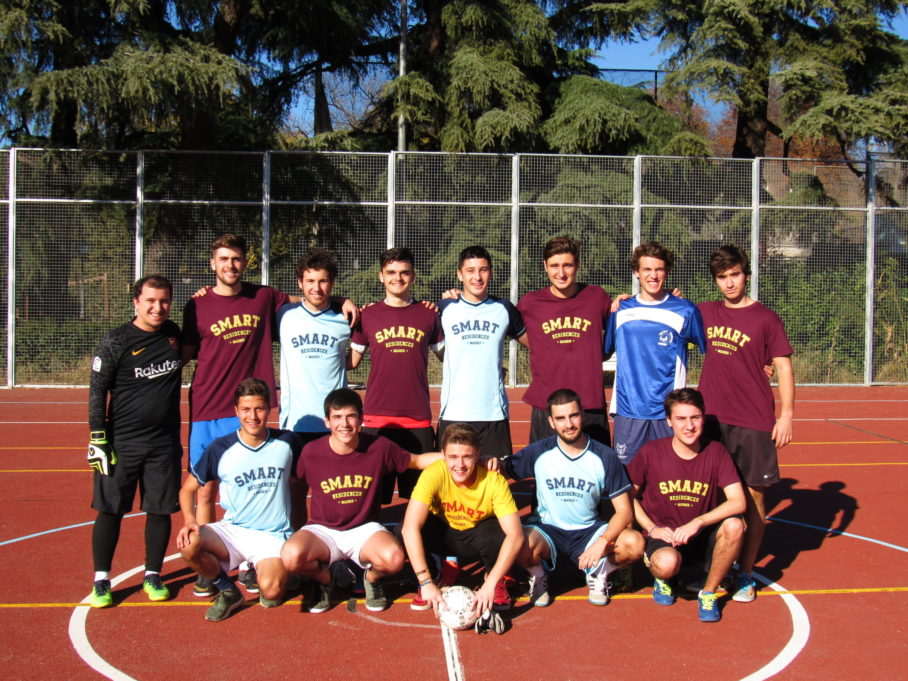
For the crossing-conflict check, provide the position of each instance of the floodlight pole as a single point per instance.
(401, 72)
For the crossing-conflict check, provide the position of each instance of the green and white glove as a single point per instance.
(101, 456)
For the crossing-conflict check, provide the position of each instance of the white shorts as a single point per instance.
(244, 544)
(345, 544)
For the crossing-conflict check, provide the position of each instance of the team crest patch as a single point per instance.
(96, 364)
(173, 343)
(620, 447)
(665, 337)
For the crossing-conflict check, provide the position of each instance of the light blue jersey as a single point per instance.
(472, 387)
(254, 482)
(651, 341)
(569, 489)
(313, 363)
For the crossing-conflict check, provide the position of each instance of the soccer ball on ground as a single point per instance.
(457, 610)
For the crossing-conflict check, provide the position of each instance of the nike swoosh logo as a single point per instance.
(136, 352)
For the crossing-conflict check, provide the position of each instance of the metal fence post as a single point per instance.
(266, 217)
(870, 293)
(140, 216)
(637, 214)
(755, 174)
(11, 273)
(392, 178)
(515, 261)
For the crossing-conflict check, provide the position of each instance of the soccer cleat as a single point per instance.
(249, 580)
(489, 621)
(154, 587)
(203, 588)
(539, 591)
(502, 599)
(450, 572)
(746, 588)
(323, 596)
(268, 602)
(708, 607)
(225, 603)
(598, 589)
(418, 602)
(101, 597)
(376, 600)
(662, 592)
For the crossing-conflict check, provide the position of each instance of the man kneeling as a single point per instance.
(459, 508)
(677, 480)
(253, 466)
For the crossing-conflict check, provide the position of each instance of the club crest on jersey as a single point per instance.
(666, 337)
(173, 343)
(96, 364)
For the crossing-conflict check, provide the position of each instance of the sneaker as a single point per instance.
(249, 580)
(323, 596)
(268, 602)
(418, 602)
(154, 587)
(450, 572)
(662, 592)
(101, 597)
(224, 604)
(539, 591)
(708, 607)
(203, 588)
(598, 589)
(376, 600)
(746, 588)
(502, 599)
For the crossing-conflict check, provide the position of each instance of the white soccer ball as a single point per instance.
(457, 610)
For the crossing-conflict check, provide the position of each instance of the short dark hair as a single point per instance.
(151, 281)
(473, 252)
(229, 241)
(559, 245)
(317, 259)
(343, 397)
(397, 255)
(460, 434)
(652, 249)
(252, 387)
(683, 396)
(563, 396)
(728, 256)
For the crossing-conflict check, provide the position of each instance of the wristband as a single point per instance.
(425, 582)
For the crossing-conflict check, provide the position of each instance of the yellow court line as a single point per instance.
(401, 601)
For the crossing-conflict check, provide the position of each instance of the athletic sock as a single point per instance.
(152, 572)
(223, 582)
(101, 575)
(608, 567)
(536, 570)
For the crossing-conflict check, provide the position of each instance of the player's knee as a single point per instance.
(390, 560)
(292, 556)
(630, 546)
(271, 586)
(732, 530)
(665, 563)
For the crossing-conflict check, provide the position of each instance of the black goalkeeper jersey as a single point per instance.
(141, 372)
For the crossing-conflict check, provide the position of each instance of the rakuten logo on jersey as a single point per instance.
(156, 370)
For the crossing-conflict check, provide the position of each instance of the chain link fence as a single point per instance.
(829, 241)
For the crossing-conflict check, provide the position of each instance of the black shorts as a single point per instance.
(415, 441)
(595, 424)
(697, 550)
(569, 543)
(156, 470)
(753, 451)
(494, 436)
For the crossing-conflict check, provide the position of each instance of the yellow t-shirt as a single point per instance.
(464, 507)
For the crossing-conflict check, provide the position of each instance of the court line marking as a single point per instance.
(865, 432)
(844, 534)
(800, 625)
(452, 654)
(59, 529)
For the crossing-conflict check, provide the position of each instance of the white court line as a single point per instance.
(452, 654)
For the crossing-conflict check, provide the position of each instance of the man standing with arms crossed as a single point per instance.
(564, 323)
(741, 336)
(135, 434)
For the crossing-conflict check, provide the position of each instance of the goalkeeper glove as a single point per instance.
(101, 456)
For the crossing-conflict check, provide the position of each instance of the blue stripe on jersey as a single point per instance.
(254, 482)
(569, 489)
(651, 341)
(313, 363)
(472, 387)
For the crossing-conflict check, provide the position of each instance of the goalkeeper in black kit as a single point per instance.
(134, 417)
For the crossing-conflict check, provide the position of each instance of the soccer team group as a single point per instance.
(685, 471)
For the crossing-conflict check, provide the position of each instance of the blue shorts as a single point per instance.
(570, 543)
(631, 434)
(201, 433)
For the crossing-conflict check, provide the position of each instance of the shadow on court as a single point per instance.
(804, 520)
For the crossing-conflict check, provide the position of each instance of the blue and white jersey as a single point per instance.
(255, 481)
(569, 489)
(472, 387)
(313, 363)
(651, 341)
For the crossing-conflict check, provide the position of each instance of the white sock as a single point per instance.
(151, 572)
(536, 570)
(101, 574)
(608, 567)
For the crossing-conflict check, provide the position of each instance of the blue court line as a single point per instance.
(844, 534)
(58, 529)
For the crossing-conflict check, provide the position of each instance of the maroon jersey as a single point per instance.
(398, 339)
(740, 341)
(346, 488)
(233, 335)
(674, 491)
(565, 337)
